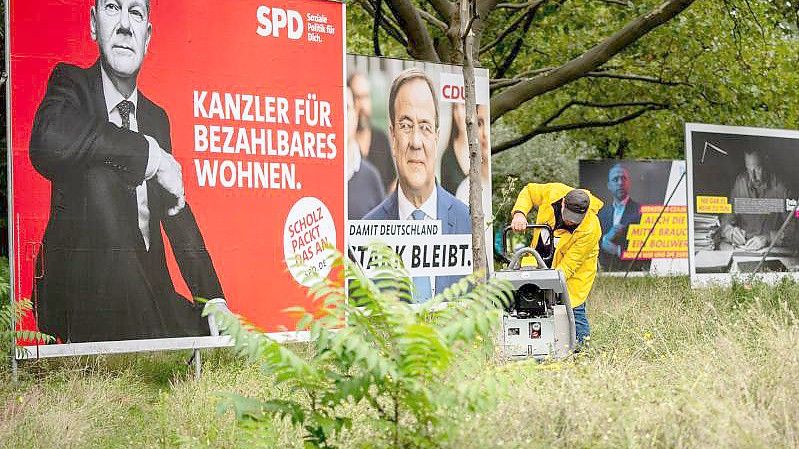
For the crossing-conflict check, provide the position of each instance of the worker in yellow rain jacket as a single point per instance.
(572, 214)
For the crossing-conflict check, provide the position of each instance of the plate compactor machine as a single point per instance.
(539, 322)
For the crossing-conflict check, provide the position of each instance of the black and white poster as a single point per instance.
(742, 188)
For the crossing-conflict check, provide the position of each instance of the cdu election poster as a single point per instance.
(644, 219)
(408, 164)
(164, 151)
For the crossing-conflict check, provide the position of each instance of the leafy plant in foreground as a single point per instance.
(397, 365)
(12, 312)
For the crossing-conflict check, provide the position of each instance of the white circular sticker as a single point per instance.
(308, 238)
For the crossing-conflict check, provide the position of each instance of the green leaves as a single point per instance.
(12, 312)
(374, 350)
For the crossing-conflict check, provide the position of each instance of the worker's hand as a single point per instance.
(736, 236)
(519, 222)
(756, 243)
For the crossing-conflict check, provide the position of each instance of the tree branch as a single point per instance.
(522, 92)
(390, 28)
(517, 46)
(484, 8)
(444, 8)
(516, 5)
(499, 83)
(513, 26)
(431, 19)
(420, 43)
(376, 27)
(545, 128)
(468, 28)
(633, 77)
(618, 2)
(516, 49)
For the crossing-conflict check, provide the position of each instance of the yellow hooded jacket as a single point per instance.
(576, 254)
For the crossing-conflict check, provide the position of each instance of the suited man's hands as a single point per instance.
(617, 232)
(170, 177)
(607, 245)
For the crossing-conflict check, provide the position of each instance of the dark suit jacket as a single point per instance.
(380, 156)
(95, 279)
(454, 216)
(631, 215)
(364, 191)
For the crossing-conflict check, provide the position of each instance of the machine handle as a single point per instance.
(530, 226)
(515, 262)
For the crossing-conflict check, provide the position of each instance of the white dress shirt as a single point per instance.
(618, 209)
(430, 209)
(354, 159)
(406, 208)
(112, 99)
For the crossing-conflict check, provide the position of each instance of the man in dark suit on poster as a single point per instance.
(615, 217)
(106, 149)
(413, 129)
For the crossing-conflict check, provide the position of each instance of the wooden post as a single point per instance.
(467, 18)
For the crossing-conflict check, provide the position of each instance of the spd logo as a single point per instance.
(271, 21)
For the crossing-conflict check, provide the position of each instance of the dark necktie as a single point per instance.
(125, 107)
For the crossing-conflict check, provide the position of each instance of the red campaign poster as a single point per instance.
(222, 165)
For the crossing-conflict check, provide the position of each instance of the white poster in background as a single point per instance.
(676, 188)
(742, 187)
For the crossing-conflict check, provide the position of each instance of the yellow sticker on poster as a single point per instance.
(713, 205)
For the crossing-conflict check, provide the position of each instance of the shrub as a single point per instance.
(396, 364)
(12, 312)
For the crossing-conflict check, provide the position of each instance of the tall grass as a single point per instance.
(668, 368)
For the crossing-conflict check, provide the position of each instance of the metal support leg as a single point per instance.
(197, 364)
(14, 374)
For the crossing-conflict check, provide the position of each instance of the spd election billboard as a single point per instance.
(163, 151)
(408, 164)
(742, 189)
(634, 194)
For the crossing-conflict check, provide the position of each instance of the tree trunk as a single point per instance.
(467, 18)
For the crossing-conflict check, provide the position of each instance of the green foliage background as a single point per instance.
(733, 62)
